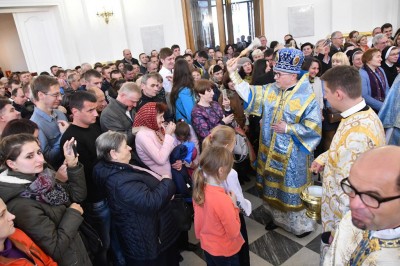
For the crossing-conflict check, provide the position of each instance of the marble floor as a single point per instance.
(276, 247)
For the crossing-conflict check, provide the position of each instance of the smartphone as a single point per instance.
(224, 95)
(73, 146)
(328, 42)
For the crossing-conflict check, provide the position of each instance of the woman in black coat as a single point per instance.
(139, 204)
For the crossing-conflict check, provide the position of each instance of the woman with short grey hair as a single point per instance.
(139, 201)
(106, 142)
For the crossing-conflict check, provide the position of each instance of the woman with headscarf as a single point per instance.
(154, 141)
(390, 56)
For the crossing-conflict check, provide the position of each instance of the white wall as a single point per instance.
(331, 15)
(94, 40)
(11, 55)
(86, 37)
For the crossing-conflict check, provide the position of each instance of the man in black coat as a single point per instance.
(128, 59)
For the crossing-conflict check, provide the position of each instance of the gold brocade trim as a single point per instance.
(236, 78)
(363, 130)
(313, 126)
(304, 106)
(309, 149)
(391, 243)
(383, 243)
(281, 102)
(277, 204)
(287, 189)
(275, 172)
(257, 99)
(295, 105)
(279, 157)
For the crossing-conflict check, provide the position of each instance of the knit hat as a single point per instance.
(289, 60)
(242, 61)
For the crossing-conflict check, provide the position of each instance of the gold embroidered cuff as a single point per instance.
(235, 77)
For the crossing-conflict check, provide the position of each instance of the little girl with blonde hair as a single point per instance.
(216, 214)
(225, 136)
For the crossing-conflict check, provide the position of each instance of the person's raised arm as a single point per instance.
(242, 87)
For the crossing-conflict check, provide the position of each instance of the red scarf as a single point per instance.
(147, 116)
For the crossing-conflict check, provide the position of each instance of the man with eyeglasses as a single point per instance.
(359, 130)
(328, 49)
(52, 123)
(291, 130)
(369, 234)
(380, 41)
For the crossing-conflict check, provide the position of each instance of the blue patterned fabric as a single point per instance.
(289, 60)
(284, 159)
(390, 112)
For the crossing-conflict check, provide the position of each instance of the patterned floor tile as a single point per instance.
(255, 230)
(191, 259)
(254, 190)
(303, 257)
(315, 244)
(199, 252)
(257, 261)
(255, 201)
(249, 184)
(260, 215)
(275, 248)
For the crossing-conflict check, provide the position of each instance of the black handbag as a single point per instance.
(182, 213)
(91, 239)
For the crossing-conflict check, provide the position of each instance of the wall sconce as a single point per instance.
(106, 15)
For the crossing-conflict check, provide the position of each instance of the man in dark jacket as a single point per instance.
(84, 129)
(119, 114)
(128, 59)
(152, 91)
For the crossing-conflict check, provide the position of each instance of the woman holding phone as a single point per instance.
(46, 210)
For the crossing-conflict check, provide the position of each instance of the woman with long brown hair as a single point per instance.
(182, 94)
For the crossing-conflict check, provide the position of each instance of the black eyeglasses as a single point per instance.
(277, 74)
(55, 95)
(369, 200)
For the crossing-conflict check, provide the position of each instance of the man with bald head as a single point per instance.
(128, 59)
(101, 99)
(369, 234)
(359, 130)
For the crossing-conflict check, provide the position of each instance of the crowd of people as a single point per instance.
(92, 158)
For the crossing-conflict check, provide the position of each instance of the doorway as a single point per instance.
(215, 23)
(11, 54)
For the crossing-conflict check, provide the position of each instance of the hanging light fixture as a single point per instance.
(106, 15)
